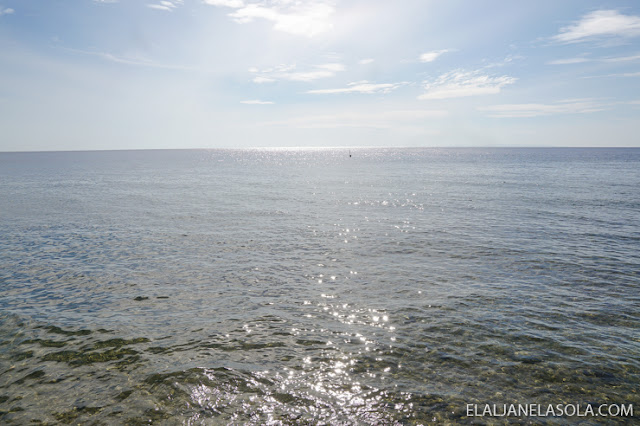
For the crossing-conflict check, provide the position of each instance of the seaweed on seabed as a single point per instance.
(123, 395)
(21, 356)
(69, 416)
(79, 358)
(130, 360)
(150, 416)
(57, 330)
(115, 351)
(34, 375)
(45, 343)
(118, 343)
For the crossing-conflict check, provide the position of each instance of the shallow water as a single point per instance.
(306, 287)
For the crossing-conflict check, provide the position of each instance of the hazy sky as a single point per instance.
(108, 74)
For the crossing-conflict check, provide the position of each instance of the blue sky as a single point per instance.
(107, 74)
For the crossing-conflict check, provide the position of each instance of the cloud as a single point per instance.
(623, 74)
(133, 61)
(293, 17)
(568, 61)
(623, 59)
(365, 61)
(374, 120)
(288, 72)
(361, 87)
(256, 102)
(260, 80)
(225, 3)
(309, 75)
(331, 67)
(7, 11)
(579, 60)
(160, 7)
(457, 84)
(504, 62)
(599, 24)
(432, 56)
(570, 106)
(166, 5)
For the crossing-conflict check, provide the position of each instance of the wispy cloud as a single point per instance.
(256, 102)
(6, 11)
(138, 62)
(599, 24)
(374, 120)
(504, 62)
(294, 17)
(616, 75)
(310, 75)
(569, 106)
(261, 80)
(290, 72)
(334, 67)
(458, 83)
(363, 87)
(582, 59)
(226, 3)
(623, 58)
(432, 56)
(165, 5)
(568, 61)
(365, 61)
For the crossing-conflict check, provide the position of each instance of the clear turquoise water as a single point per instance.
(307, 287)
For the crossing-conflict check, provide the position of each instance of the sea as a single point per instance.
(299, 286)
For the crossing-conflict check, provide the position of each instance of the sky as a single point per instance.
(143, 74)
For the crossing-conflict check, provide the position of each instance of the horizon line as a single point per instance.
(317, 148)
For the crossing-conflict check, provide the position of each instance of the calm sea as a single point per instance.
(302, 286)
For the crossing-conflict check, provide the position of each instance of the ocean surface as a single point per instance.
(304, 286)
